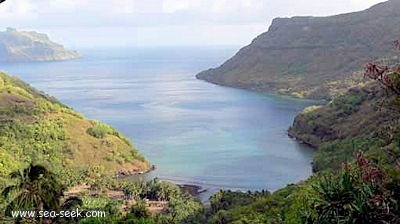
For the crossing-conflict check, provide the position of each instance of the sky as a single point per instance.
(93, 23)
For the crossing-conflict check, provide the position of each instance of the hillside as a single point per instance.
(37, 128)
(309, 57)
(23, 46)
(366, 119)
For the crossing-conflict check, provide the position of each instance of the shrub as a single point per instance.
(139, 210)
(358, 194)
(100, 130)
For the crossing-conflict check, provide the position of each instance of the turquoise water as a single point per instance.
(193, 131)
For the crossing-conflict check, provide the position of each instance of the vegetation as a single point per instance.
(357, 162)
(100, 130)
(36, 189)
(36, 127)
(173, 205)
(356, 179)
(359, 192)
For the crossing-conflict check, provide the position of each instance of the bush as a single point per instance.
(100, 130)
(358, 194)
(139, 210)
(331, 155)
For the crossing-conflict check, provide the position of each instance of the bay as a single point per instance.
(193, 132)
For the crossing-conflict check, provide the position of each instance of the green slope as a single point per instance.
(367, 119)
(35, 127)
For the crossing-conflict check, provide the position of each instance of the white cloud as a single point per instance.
(171, 6)
(145, 12)
(68, 4)
(122, 7)
(17, 8)
(235, 6)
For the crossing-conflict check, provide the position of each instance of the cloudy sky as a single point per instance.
(78, 23)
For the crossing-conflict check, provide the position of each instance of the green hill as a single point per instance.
(35, 127)
(309, 57)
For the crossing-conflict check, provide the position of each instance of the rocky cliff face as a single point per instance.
(306, 56)
(16, 46)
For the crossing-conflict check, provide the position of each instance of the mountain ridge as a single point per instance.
(308, 57)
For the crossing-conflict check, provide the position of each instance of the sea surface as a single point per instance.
(192, 131)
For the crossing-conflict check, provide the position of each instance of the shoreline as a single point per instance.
(266, 92)
(300, 140)
(126, 174)
(193, 190)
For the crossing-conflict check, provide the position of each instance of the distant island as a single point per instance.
(25, 46)
(312, 57)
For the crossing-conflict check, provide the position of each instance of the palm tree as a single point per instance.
(35, 188)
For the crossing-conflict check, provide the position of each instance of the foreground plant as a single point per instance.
(35, 189)
(358, 194)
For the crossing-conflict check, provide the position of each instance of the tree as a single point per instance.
(35, 188)
(132, 191)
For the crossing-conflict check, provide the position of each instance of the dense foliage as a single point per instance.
(180, 207)
(360, 192)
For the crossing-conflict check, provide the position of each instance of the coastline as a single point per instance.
(191, 189)
(266, 92)
(300, 140)
(125, 174)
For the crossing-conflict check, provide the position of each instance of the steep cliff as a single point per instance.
(310, 56)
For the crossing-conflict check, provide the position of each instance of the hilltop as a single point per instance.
(23, 46)
(312, 57)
